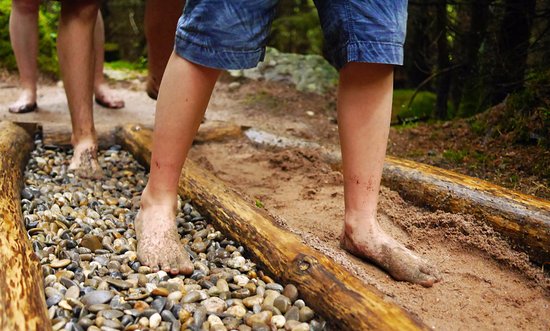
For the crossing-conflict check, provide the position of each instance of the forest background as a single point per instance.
(484, 65)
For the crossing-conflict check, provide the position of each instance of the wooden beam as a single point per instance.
(22, 304)
(523, 219)
(60, 135)
(328, 288)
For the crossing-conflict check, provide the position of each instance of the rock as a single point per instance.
(191, 297)
(96, 297)
(301, 327)
(306, 314)
(237, 311)
(214, 305)
(253, 300)
(162, 291)
(293, 314)
(290, 291)
(154, 320)
(60, 263)
(278, 321)
(118, 283)
(282, 303)
(91, 242)
(263, 317)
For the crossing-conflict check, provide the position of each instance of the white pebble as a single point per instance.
(154, 320)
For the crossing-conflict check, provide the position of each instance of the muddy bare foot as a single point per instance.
(401, 263)
(25, 104)
(107, 98)
(84, 162)
(159, 245)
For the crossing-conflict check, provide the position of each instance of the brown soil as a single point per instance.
(486, 285)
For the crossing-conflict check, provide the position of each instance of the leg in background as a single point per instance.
(161, 17)
(24, 41)
(103, 94)
(76, 60)
(364, 111)
(184, 94)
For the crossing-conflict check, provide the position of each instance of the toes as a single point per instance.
(424, 280)
(184, 264)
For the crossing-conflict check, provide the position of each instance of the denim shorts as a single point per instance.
(232, 34)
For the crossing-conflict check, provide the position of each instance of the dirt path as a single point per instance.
(487, 285)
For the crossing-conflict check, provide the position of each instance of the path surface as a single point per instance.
(486, 286)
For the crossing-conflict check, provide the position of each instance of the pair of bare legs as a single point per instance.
(79, 59)
(364, 109)
(24, 40)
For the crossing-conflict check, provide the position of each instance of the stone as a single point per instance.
(263, 317)
(306, 314)
(293, 314)
(282, 303)
(214, 305)
(253, 300)
(96, 297)
(154, 320)
(237, 311)
(278, 321)
(290, 291)
(91, 242)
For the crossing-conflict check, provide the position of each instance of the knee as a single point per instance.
(25, 7)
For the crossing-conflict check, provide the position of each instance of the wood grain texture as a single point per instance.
(524, 219)
(22, 304)
(327, 287)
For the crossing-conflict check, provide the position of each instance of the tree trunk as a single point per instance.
(22, 303)
(443, 62)
(512, 48)
(327, 287)
(466, 85)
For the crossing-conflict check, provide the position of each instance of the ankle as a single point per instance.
(160, 200)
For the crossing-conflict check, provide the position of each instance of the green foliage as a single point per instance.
(455, 156)
(140, 65)
(47, 34)
(422, 106)
(527, 113)
(298, 31)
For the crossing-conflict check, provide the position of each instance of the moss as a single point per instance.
(47, 34)
(421, 108)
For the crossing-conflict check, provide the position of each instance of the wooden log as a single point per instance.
(60, 135)
(328, 288)
(22, 305)
(524, 219)
(217, 131)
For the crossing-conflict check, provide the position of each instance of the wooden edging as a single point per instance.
(22, 304)
(327, 287)
(524, 219)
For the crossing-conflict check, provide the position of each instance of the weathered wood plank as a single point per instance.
(22, 304)
(325, 285)
(524, 219)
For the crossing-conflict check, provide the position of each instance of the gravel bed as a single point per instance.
(82, 231)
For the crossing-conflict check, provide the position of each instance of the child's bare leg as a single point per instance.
(24, 41)
(103, 94)
(75, 49)
(161, 17)
(184, 94)
(364, 111)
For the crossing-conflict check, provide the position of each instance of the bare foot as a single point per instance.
(159, 245)
(25, 104)
(401, 263)
(106, 97)
(84, 162)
